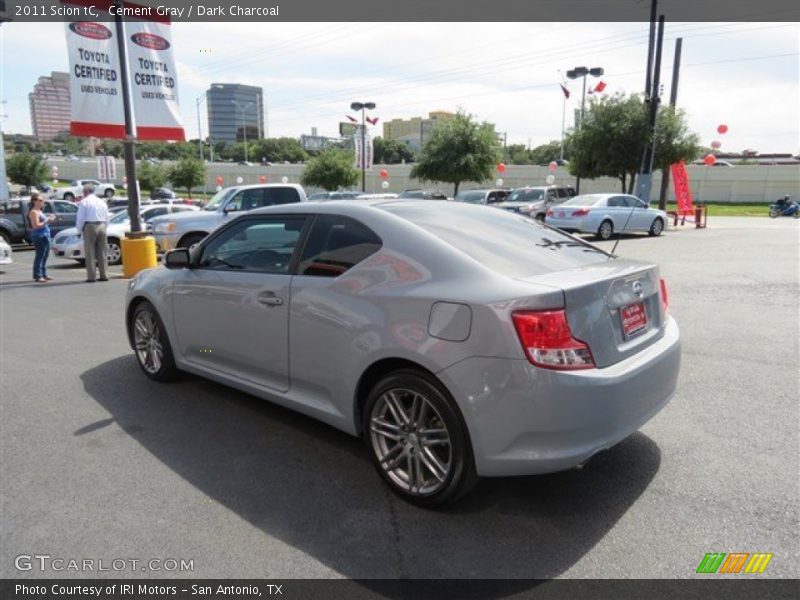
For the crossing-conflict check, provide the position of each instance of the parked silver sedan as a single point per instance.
(458, 341)
(607, 214)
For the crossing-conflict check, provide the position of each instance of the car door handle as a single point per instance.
(270, 299)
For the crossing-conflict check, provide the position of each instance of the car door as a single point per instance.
(231, 308)
(642, 218)
(616, 208)
(66, 213)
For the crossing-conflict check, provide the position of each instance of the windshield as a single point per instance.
(525, 195)
(471, 197)
(586, 200)
(120, 217)
(219, 199)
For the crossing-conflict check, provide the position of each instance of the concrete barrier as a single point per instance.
(740, 184)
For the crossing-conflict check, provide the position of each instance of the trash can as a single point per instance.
(138, 254)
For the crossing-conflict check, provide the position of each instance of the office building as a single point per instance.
(50, 108)
(235, 112)
(414, 131)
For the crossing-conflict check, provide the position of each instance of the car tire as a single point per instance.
(657, 228)
(190, 240)
(540, 217)
(109, 193)
(6, 236)
(151, 345)
(69, 197)
(114, 251)
(773, 214)
(427, 469)
(606, 230)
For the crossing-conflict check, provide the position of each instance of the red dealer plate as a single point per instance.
(633, 318)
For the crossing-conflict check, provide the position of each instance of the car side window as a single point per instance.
(616, 202)
(551, 195)
(66, 207)
(640, 203)
(156, 212)
(263, 245)
(280, 195)
(335, 245)
(48, 208)
(562, 193)
(248, 199)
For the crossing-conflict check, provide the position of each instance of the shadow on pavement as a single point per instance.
(314, 488)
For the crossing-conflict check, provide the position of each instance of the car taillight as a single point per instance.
(664, 298)
(549, 212)
(581, 212)
(548, 342)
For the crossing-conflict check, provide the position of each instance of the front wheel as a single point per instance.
(657, 227)
(606, 230)
(773, 213)
(417, 439)
(69, 196)
(150, 342)
(109, 193)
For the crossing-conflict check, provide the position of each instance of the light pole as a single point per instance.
(199, 101)
(242, 107)
(575, 74)
(363, 107)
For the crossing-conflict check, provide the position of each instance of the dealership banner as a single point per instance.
(96, 82)
(683, 192)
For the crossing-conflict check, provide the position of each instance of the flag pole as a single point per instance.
(130, 130)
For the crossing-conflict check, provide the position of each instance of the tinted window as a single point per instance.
(156, 212)
(471, 197)
(10, 208)
(248, 199)
(281, 196)
(66, 207)
(587, 200)
(262, 245)
(335, 245)
(48, 208)
(562, 193)
(617, 202)
(179, 208)
(505, 242)
(318, 196)
(525, 195)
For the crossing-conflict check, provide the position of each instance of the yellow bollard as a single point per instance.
(138, 254)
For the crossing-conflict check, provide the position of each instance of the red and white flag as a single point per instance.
(353, 119)
(373, 121)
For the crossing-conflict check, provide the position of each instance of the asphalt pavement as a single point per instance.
(97, 462)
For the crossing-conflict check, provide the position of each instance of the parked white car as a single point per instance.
(6, 254)
(75, 189)
(185, 230)
(68, 244)
(606, 214)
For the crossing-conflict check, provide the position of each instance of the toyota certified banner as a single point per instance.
(96, 84)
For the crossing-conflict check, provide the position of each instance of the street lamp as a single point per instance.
(363, 107)
(575, 74)
(199, 101)
(242, 108)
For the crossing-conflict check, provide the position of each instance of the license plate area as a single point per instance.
(633, 318)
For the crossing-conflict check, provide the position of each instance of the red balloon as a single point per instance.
(262, 178)
(552, 166)
(501, 168)
(384, 174)
(709, 159)
(722, 129)
(219, 180)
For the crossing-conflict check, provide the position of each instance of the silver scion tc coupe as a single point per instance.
(457, 340)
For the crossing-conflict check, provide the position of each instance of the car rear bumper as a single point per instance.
(570, 225)
(524, 420)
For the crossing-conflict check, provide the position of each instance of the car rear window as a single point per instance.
(505, 242)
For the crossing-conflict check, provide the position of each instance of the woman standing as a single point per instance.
(40, 236)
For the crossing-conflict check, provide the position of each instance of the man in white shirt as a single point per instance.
(91, 223)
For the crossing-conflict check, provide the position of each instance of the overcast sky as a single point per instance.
(745, 75)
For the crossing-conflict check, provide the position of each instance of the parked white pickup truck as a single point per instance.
(186, 229)
(75, 189)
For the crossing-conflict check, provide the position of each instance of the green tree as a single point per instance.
(546, 153)
(612, 138)
(331, 169)
(152, 176)
(517, 154)
(187, 173)
(459, 149)
(26, 168)
(391, 152)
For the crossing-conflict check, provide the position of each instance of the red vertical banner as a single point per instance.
(683, 193)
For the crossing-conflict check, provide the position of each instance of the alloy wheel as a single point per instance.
(147, 342)
(114, 253)
(411, 441)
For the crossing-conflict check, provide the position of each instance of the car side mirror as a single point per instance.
(230, 208)
(177, 258)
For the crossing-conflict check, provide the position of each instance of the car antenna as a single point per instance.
(624, 227)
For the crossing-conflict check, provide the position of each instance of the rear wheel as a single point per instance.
(114, 251)
(606, 230)
(150, 343)
(417, 439)
(69, 196)
(108, 193)
(773, 213)
(6, 236)
(657, 227)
